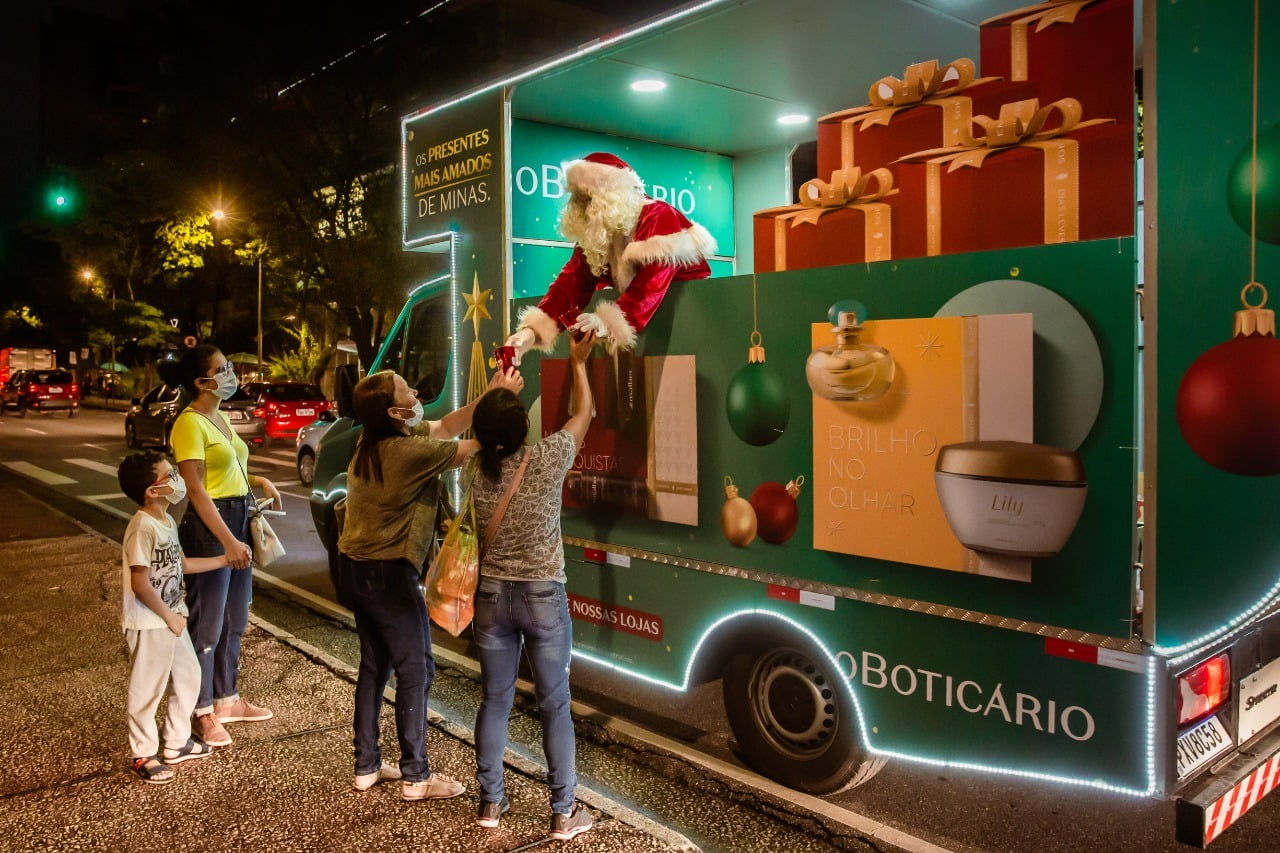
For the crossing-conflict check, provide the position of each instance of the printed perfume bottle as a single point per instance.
(849, 370)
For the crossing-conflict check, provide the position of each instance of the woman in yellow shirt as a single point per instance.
(214, 462)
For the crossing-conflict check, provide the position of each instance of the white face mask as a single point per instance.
(179, 490)
(414, 419)
(227, 385)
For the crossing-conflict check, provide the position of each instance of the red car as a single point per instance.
(286, 407)
(41, 391)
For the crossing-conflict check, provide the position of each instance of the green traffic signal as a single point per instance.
(61, 200)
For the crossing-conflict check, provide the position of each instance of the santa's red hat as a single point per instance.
(601, 172)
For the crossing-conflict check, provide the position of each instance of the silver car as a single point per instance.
(308, 445)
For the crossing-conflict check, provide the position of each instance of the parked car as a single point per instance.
(149, 419)
(41, 390)
(308, 445)
(287, 407)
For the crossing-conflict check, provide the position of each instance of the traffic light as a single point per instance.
(61, 199)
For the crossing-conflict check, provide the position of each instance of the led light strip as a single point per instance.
(1233, 627)
(863, 728)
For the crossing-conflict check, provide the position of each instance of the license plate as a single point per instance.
(305, 413)
(1200, 745)
(55, 389)
(237, 416)
(1259, 700)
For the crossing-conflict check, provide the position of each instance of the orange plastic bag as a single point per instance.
(450, 587)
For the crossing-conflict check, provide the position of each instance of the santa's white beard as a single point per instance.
(594, 225)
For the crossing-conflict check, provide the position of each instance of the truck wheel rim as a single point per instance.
(794, 704)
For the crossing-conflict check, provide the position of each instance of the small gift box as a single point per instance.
(1080, 49)
(844, 221)
(931, 106)
(1023, 182)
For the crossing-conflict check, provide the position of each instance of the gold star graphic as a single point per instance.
(475, 304)
(930, 347)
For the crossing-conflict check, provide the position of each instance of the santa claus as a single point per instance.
(623, 238)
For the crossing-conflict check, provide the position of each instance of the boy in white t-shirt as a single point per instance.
(161, 657)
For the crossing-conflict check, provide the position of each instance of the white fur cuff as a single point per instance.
(545, 330)
(622, 336)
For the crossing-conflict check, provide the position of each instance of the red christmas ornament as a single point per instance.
(777, 515)
(1228, 403)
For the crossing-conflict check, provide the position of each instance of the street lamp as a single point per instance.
(89, 275)
(218, 216)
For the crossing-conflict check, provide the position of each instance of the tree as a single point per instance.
(305, 362)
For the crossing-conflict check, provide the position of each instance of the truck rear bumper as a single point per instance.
(1208, 807)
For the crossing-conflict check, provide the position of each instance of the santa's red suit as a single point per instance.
(663, 246)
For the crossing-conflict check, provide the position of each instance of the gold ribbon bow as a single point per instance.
(922, 83)
(1021, 124)
(1043, 15)
(848, 188)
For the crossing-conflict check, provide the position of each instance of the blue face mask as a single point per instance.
(227, 385)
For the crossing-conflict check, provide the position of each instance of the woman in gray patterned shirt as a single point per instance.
(521, 597)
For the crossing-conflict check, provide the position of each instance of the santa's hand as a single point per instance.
(521, 339)
(592, 324)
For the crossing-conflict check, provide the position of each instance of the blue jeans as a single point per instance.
(219, 603)
(395, 634)
(535, 614)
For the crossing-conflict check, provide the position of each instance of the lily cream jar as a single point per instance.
(1010, 497)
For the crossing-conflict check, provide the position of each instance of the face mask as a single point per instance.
(227, 385)
(416, 418)
(178, 490)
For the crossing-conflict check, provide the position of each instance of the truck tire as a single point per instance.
(306, 467)
(793, 720)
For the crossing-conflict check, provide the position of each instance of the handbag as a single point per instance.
(450, 587)
(266, 545)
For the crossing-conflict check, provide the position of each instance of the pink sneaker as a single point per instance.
(240, 711)
(207, 728)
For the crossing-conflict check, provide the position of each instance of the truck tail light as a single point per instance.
(1203, 688)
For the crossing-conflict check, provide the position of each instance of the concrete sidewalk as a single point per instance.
(284, 785)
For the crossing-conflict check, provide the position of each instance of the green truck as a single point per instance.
(1029, 554)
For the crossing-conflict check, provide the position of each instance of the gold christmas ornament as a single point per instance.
(737, 517)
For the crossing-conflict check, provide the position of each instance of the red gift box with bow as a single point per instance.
(930, 106)
(1034, 175)
(1080, 49)
(847, 220)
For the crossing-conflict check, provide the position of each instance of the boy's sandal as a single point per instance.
(193, 748)
(151, 770)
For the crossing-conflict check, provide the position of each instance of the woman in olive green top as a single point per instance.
(388, 529)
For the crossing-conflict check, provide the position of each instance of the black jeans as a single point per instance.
(395, 634)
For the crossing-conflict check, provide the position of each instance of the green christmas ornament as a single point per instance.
(1240, 186)
(757, 402)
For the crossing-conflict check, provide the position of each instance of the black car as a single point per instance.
(150, 418)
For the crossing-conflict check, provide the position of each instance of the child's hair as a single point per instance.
(501, 426)
(194, 364)
(371, 398)
(137, 473)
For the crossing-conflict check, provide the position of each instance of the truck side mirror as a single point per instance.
(344, 382)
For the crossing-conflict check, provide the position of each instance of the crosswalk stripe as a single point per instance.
(49, 478)
(92, 465)
(262, 460)
(96, 501)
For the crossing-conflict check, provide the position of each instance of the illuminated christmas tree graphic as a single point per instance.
(477, 378)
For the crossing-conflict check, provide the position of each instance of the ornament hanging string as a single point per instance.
(1253, 179)
(755, 354)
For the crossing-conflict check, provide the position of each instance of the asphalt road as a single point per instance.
(75, 458)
